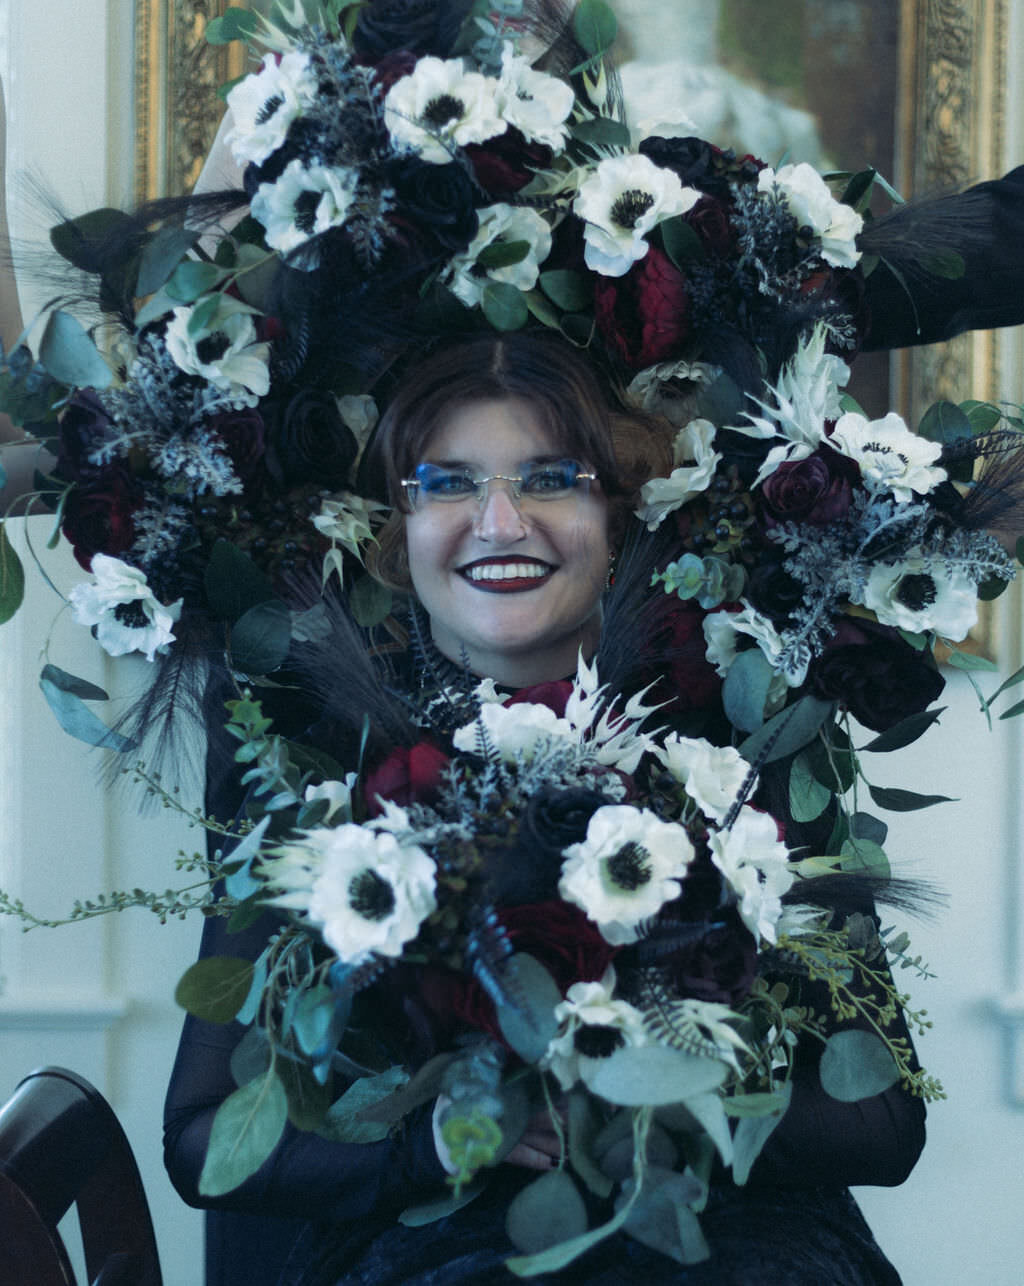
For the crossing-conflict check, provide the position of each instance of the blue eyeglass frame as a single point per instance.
(414, 486)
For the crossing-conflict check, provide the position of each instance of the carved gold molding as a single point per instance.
(177, 76)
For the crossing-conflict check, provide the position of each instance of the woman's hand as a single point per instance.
(540, 1146)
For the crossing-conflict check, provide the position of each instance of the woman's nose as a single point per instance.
(498, 518)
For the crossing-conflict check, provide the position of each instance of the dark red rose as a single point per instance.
(506, 163)
(875, 675)
(554, 695)
(709, 218)
(98, 515)
(719, 967)
(644, 315)
(394, 67)
(407, 776)
(242, 434)
(83, 426)
(675, 654)
(816, 490)
(695, 161)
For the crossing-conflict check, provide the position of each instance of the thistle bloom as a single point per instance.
(889, 455)
(592, 1025)
(264, 105)
(812, 204)
(620, 202)
(914, 595)
(440, 106)
(304, 202)
(122, 607)
(756, 865)
(628, 867)
(227, 355)
(365, 891)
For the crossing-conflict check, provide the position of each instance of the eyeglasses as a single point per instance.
(552, 480)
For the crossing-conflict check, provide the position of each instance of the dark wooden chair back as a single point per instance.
(62, 1145)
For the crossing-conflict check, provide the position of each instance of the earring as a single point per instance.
(609, 580)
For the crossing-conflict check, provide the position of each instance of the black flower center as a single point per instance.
(916, 591)
(371, 896)
(439, 111)
(211, 347)
(131, 615)
(630, 207)
(269, 108)
(593, 1041)
(880, 448)
(304, 211)
(630, 866)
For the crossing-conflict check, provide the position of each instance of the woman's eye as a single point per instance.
(552, 478)
(451, 485)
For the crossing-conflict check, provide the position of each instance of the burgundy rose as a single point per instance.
(644, 315)
(243, 437)
(98, 515)
(709, 218)
(84, 424)
(506, 163)
(409, 775)
(816, 490)
(675, 655)
(394, 67)
(554, 695)
(695, 161)
(875, 675)
(719, 967)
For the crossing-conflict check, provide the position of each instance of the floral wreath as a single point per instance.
(403, 179)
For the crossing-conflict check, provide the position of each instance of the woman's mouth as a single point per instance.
(506, 575)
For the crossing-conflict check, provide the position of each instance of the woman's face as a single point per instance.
(515, 585)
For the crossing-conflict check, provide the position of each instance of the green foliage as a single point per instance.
(788, 731)
(808, 798)
(652, 1075)
(472, 1141)
(233, 24)
(245, 1131)
(905, 732)
(261, 637)
(856, 1064)
(66, 696)
(345, 1122)
(233, 583)
(370, 601)
(529, 1025)
(12, 577)
(904, 801)
(546, 1212)
(69, 354)
(504, 306)
(568, 290)
(595, 26)
(215, 989)
(681, 243)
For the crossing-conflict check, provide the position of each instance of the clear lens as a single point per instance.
(552, 480)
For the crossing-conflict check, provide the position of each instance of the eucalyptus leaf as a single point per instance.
(245, 1131)
(542, 308)
(78, 720)
(862, 854)
(546, 1213)
(663, 1216)
(905, 801)
(261, 637)
(430, 1211)
(753, 1132)
(240, 882)
(653, 1074)
(72, 683)
(594, 26)
(529, 1029)
(601, 131)
(193, 278)
(69, 354)
(808, 797)
(251, 1056)
(346, 1122)
(709, 1110)
(944, 422)
(233, 583)
(12, 577)
(971, 661)
(313, 1015)
(251, 1005)
(423, 1087)
(76, 239)
(233, 24)
(855, 1065)
(864, 826)
(158, 305)
(745, 689)
(504, 306)
(571, 291)
(788, 731)
(905, 732)
(162, 254)
(555, 1259)
(1013, 711)
(583, 1126)
(215, 989)
(503, 254)
(834, 763)
(369, 601)
(308, 1097)
(680, 241)
(722, 401)
(983, 416)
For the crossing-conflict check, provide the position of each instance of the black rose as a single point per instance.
(309, 442)
(83, 426)
(423, 26)
(773, 591)
(692, 159)
(718, 967)
(243, 438)
(551, 822)
(507, 162)
(437, 199)
(880, 680)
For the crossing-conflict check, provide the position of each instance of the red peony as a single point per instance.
(644, 315)
(506, 163)
(409, 775)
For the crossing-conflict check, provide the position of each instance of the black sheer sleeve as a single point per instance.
(307, 1176)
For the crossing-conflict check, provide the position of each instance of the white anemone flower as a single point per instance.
(440, 106)
(228, 356)
(889, 455)
(501, 224)
(630, 864)
(592, 1026)
(304, 202)
(620, 202)
(721, 629)
(756, 866)
(264, 105)
(365, 891)
(338, 795)
(712, 775)
(915, 595)
(538, 105)
(125, 612)
(695, 453)
(812, 204)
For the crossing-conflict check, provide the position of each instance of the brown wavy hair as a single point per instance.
(582, 415)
